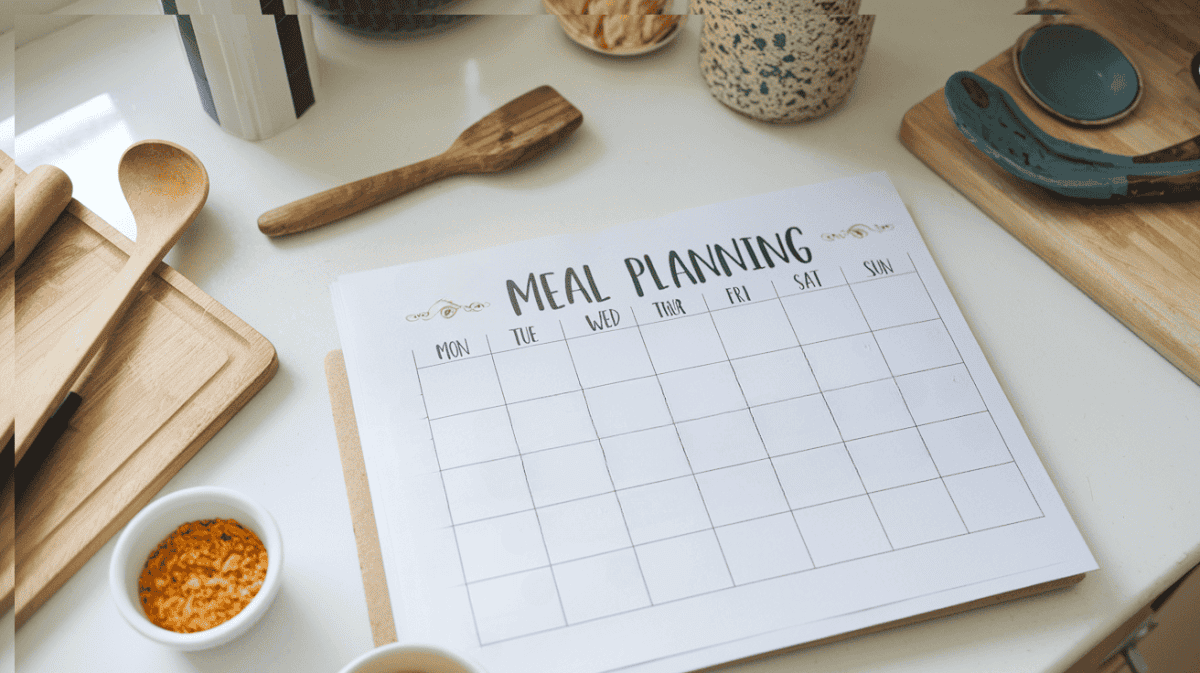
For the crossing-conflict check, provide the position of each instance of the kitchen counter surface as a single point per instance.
(1115, 424)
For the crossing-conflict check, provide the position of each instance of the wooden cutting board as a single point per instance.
(178, 367)
(1141, 262)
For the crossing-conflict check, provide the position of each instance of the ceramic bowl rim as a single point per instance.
(389, 649)
(169, 506)
(1069, 20)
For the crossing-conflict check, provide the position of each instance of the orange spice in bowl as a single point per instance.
(201, 575)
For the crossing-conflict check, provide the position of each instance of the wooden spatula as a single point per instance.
(520, 129)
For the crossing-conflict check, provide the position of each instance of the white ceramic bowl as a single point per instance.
(394, 658)
(159, 519)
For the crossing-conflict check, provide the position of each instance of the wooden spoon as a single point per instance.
(166, 186)
(519, 130)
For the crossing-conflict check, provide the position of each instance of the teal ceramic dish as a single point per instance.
(989, 118)
(1076, 74)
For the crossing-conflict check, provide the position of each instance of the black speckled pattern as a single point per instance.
(778, 61)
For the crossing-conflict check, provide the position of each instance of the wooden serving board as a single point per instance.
(178, 367)
(1141, 262)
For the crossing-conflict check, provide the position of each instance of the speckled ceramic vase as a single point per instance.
(781, 61)
(822, 6)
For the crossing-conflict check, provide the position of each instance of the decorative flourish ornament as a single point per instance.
(857, 231)
(447, 309)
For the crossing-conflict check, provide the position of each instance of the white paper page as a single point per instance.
(685, 441)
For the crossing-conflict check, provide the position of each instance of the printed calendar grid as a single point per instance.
(541, 563)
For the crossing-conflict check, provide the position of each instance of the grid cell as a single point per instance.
(567, 473)
(841, 531)
(453, 387)
(609, 356)
(702, 391)
(583, 527)
(472, 437)
(894, 300)
(501, 546)
(847, 361)
(721, 441)
(763, 548)
(664, 509)
(627, 407)
(752, 329)
(892, 459)
(742, 492)
(918, 513)
(993, 496)
(550, 422)
(965, 443)
(938, 394)
(644, 457)
(684, 566)
(838, 314)
(516, 605)
(602, 585)
(795, 425)
(774, 377)
(665, 341)
(818, 475)
(869, 409)
(485, 490)
(536, 371)
(912, 348)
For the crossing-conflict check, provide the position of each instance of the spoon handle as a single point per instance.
(61, 366)
(333, 204)
(1184, 151)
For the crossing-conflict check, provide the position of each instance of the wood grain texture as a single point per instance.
(370, 557)
(177, 368)
(515, 132)
(1140, 261)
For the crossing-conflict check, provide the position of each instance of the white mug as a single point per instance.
(396, 657)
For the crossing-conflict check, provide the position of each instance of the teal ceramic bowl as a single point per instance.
(1076, 74)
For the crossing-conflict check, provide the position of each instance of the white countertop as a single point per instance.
(1116, 425)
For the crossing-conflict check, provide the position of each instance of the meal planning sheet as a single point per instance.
(689, 440)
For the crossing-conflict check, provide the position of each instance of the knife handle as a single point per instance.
(338, 202)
